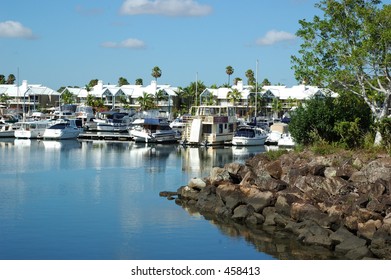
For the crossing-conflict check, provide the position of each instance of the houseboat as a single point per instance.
(209, 125)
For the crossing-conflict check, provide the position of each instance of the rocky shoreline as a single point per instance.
(339, 202)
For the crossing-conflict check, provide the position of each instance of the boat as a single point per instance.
(7, 130)
(112, 121)
(277, 130)
(31, 129)
(85, 113)
(286, 141)
(152, 127)
(209, 125)
(178, 124)
(247, 135)
(63, 129)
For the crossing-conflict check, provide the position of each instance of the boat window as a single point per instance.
(221, 128)
(207, 128)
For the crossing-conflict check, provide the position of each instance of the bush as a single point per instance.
(343, 120)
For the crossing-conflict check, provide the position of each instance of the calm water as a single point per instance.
(100, 200)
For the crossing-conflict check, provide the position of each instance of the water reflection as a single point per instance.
(99, 200)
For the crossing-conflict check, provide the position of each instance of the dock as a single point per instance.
(105, 136)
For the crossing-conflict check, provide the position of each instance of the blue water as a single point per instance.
(100, 200)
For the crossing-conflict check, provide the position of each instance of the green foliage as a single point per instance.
(348, 48)
(275, 154)
(343, 121)
(146, 101)
(385, 129)
(156, 72)
(67, 97)
(93, 83)
(122, 81)
(349, 132)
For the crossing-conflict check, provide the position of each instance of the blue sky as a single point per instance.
(68, 43)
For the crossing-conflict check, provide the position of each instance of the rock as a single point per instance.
(335, 201)
(196, 183)
(368, 229)
(274, 169)
(349, 244)
(381, 242)
(258, 199)
(218, 175)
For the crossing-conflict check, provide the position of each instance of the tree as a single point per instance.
(146, 101)
(229, 70)
(344, 120)
(11, 79)
(349, 49)
(265, 82)
(276, 106)
(160, 95)
(156, 73)
(250, 77)
(5, 98)
(236, 80)
(67, 97)
(139, 82)
(93, 83)
(234, 96)
(122, 81)
(2, 79)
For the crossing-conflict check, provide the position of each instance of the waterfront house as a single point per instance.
(29, 97)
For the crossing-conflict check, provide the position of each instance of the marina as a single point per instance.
(75, 199)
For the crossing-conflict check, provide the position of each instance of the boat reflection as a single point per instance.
(61, 145)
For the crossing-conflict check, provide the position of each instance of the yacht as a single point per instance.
(63, 129)
(85, 113)
(31, 129)
(210, 125)
(247, 135)
(152, 127)
(112, 121)
(7, 130)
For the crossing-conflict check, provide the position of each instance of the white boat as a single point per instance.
(85, 113)
(31, 129)
(286, 141)
(112, 121)
(276, 132)
(7, 130)
(249, 136)
(152, 129)
(210, 125)
(178, 124)
(63, 129)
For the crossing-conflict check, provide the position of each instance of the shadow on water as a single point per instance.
(271, 240)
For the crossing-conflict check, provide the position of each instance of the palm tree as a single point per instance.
(11, 79)
(229, 70)
(146, 101)
(139, 82)
(276, 106)
(67, 97)
(4, 98)
(160, 95)
(122, 81)
(234, 96)
(250, 77)
(265, 82)
(156, 73)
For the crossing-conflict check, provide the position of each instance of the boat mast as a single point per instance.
(256, 89)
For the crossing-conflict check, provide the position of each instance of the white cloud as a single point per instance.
(273, 37)
(126, 44)
(14, 29)
(165, 7)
